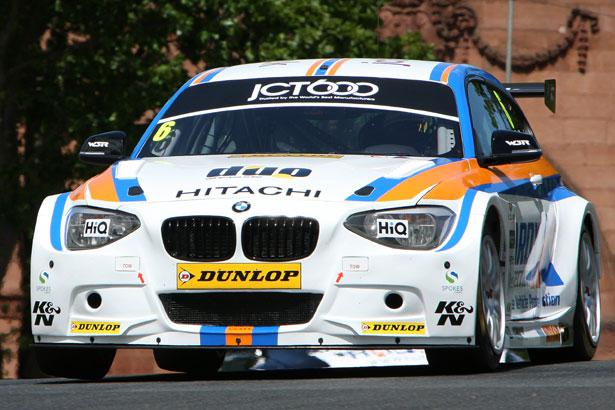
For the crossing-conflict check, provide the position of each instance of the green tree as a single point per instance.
(72, 69)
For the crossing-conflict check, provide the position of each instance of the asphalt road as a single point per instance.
(586, 385)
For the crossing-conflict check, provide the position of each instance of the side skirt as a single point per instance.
(552, 331)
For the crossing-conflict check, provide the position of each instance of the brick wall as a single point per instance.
(579, 139)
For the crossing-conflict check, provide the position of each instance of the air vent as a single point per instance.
(279, 238)
(240, 308)
(199, 238)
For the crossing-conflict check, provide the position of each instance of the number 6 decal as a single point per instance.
(164, 131)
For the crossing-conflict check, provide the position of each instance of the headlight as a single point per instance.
(92, 228)
(405, 228)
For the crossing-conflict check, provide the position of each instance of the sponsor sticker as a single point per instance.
(98, 144)
(452, 278)
(127, 263)
(550, 300)
(260, 171)
(452, 312)
(99, 328)
(96, 228)
(319, 89)
(219, 191)
(392, 328)
(392, 228)
(44, 312)
(44, 286)
(355, 264)
(238, 276)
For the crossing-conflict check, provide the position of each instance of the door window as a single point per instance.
(492, 110)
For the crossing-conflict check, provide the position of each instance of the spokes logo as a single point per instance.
(451, 277)
(45, 312)
(43, 277)
(453, 312)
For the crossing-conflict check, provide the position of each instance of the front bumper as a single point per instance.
(112, 295)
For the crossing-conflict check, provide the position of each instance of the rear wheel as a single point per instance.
(75, 363)
(588, 311)
(199, 362)
(489, 322)
(586, 325)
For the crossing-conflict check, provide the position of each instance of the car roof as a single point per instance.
(350, 67)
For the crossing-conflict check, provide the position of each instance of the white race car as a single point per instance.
(321, 204)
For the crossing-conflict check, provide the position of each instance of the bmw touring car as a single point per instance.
(320, 204)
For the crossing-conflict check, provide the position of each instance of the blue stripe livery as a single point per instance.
(55, 232)
(383, 185)
(322, 70)
(213, 335)
(123, 185)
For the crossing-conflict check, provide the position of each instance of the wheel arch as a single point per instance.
(495, 222)
(590, 222)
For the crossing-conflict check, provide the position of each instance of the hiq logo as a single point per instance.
(392, 228)
(260, 171)
(96, 228)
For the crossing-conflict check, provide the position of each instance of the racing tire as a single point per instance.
(586, 322)
(196, 362)
(490, 320)
(75, 363)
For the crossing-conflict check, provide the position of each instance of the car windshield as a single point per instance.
(346, 123)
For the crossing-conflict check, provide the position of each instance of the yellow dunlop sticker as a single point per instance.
(394, 328)
(99, 328)
(238, 276)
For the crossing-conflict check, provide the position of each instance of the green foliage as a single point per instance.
(248, 31)
(72, 69)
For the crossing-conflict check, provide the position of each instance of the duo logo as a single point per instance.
(258, 171)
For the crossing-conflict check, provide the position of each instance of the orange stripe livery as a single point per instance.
(315, 66)
(239, 335)
(453, 180)
(446, 73)
(337, 65)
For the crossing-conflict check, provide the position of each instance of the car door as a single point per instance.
(534, 222)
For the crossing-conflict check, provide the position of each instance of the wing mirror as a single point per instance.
(510, 147)
(103, 149)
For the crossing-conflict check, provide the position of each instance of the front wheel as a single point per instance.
(489, 322)
(586, 325)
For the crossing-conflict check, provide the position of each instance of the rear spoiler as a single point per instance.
(534, 90)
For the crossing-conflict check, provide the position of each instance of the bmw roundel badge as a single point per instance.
(241, 206)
